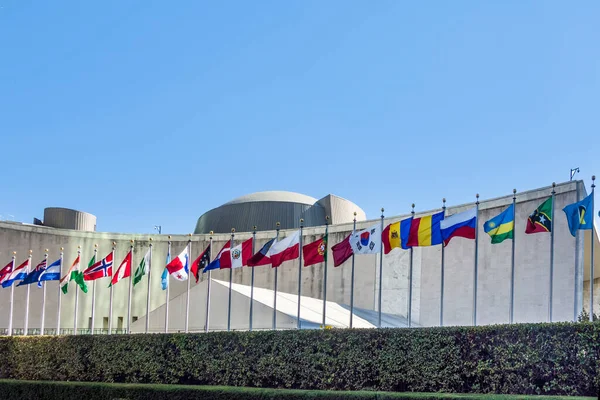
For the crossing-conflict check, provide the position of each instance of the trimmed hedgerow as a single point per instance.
(101, 391)
(558, 359)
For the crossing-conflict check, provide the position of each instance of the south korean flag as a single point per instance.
(367, 241)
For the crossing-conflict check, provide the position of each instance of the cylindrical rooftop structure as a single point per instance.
(65, 218)
(265, 209)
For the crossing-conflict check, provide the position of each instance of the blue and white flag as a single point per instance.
(164, 279)
(34, 275)
(52, 273)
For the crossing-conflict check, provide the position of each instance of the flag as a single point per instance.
(52, 273)
(396, 235)
(34, 275)
(164, 278)
(73, 274)
(261, 257)
(425, 231)
(315, 252)
(239, 255)
(462, 224)
(540, 219)
(142, 269)
(5, 271)
(18, 274)
(216, 263)
(124, 270)
(366, 241)
(200, 263)
(580, 215)
(502, 226)
(285, 249)
(100, 269)
(341, 251)
(178, 267)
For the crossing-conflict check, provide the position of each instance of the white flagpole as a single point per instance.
(94, 292)
(475, 273)
(167, 291)
(230, 281)
(352, 280)
(130, 289)
(148, 295)
(410, 277)
(250, 312)
(206, 326)
(187, 300)
(275, 291)
(110, 302)
(27, 297)
(76, 292)
(592, 255)
(300, 271)
(44, 297)
(551, 290)
(12, 298)
(380, 275)
(325, 271)
(442, 272)
(59, 294)
(576, 272)
(512, 261)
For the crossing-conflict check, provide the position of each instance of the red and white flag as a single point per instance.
(285, 249)
(178, 267)
(239, 255)
(124, 270)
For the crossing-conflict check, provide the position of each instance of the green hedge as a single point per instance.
(102, 391)
(519, 359)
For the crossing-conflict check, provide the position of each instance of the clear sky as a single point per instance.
(151, 112)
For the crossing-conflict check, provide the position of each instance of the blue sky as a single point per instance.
(152, 112)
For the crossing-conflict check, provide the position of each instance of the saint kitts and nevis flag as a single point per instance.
(540, 220)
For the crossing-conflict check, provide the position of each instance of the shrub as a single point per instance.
(102, 391)
(558, 358)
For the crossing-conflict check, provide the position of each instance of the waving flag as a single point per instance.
(285, 249)
(101, 269)
(200, 263)
(178, 267)
(341, 251)
(6, 270)
(315, 252)
(502, 226)
(142, 269)
(34, 275)
(240, 254)
(462, 224)
(164, 278)
(366, 241)
(216, 263)
(261, 257)
(52, 273)
(73, 274)
(18, 274)
(124, 270)
(396, 235)
(425, 231)
(580, 215)
(540, 220)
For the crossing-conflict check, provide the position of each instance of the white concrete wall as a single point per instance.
(531, 272)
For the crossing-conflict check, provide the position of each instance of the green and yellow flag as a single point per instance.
(502, 226)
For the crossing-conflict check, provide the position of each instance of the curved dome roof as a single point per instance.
(274, 195)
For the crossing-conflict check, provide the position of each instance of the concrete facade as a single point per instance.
(532, 264)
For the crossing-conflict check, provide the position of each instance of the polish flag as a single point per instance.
(285, 249)
(178, 267)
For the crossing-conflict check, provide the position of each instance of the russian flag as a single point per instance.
(178, 267)
(462, 224)
(216, 263)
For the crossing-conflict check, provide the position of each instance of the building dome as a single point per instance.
(265, 209)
